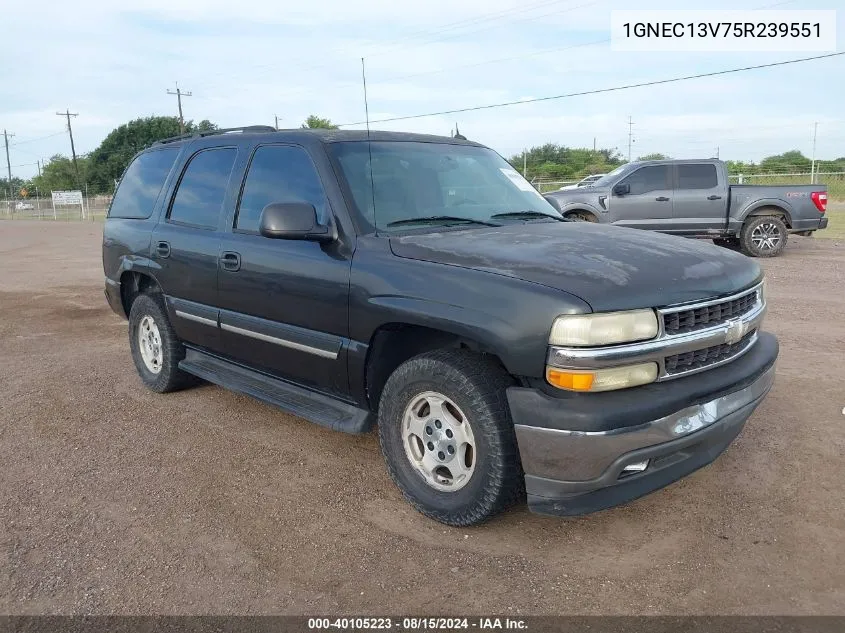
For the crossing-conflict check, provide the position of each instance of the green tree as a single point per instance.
(12, 192)
(655, 156)
(108, 162)
(558, 162)
(314, 121)
(792, 161)
(58, 174)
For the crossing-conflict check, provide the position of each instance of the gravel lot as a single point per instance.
(117, 500)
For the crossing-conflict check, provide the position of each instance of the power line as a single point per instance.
(179, 94)
(40, 138)
(487, 27)
(403, 42)
(598, 91)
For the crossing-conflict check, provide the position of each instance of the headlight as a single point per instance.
(602, 379)
(581, 330)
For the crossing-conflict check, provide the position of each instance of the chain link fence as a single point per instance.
(93, 208)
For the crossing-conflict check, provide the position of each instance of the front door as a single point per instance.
(648, 204)
(186, 243)
(284, 305)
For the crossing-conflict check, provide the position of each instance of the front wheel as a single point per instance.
(763, 236)
(156, 350)
(447, 436)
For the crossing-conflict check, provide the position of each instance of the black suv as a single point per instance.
(422, 283)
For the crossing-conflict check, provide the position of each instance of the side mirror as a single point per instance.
(622, 189)
(292, 221)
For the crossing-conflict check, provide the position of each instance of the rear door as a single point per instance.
(285, 303)
(186, 242)
(648, 205)
(700, 199)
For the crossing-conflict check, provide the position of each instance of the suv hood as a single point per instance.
(609, 267)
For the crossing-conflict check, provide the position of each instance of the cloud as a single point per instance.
(246, 61)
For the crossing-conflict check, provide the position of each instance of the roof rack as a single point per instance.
(228, 130)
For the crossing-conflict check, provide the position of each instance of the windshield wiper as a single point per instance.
(440, 219)
(527, 214)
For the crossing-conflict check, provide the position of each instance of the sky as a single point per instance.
(247, 61)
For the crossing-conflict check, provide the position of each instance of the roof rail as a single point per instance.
(228, 130)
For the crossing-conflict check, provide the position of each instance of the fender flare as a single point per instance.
(780, 206)
(569, 207)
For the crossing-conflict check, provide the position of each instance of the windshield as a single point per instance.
(443, 183)
(605, 180)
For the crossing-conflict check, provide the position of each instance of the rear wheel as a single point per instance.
(447, 436)
(156, 350)
(763, 236)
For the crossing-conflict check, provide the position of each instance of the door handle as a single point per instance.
(662, 199)
(714, 197)
(163, 249)
(231, 261)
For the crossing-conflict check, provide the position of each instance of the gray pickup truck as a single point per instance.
(693, 198)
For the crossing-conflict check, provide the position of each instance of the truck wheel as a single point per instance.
(581, 216)
(156, 350)
(763, 236)
(448, 439)
(727, 242)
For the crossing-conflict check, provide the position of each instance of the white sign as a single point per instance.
(67, 198)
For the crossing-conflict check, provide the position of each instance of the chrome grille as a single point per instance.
(701, 358)
(701, 316)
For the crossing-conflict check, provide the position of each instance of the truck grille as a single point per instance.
(700, 317)
(701, 358)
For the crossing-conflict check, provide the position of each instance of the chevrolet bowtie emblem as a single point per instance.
(735, 332)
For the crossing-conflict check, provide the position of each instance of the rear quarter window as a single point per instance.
(140, 186)
(697, 176)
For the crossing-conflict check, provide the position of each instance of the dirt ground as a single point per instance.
(114, 499)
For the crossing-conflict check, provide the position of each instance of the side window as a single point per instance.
(201, 192)
(279, 173)
(139, 188)
(697, 176)
(648, 179)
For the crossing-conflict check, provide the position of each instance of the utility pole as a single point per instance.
(179, 94)
(594, 143)
(6, 136)
(67, 114)
(525, 163)
(277, 122)
(812, 169)
(38, 162)
(717, 152)
(630, 136)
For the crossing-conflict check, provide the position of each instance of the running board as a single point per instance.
(314, 407)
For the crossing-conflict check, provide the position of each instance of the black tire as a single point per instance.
(727, 242)
(169, 377)
(580, 216)
(477, 386)
(768, 225)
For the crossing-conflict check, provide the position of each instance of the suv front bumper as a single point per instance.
(574, 449)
